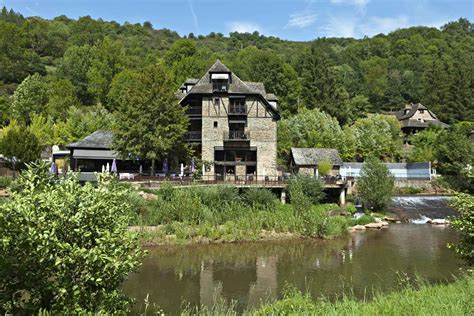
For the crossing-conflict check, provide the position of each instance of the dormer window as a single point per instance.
(220, 82)
(406, 111)
(422, 111)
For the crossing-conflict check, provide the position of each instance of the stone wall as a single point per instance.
(263, 135)
(260, 124)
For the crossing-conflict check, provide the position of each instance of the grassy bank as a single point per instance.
(423, 299)
(223, 214)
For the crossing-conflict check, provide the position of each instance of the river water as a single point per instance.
(251, 272)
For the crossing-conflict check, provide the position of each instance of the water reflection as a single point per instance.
(255, 272)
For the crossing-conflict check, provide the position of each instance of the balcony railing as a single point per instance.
(236, 135)
(193, 136)
(194, 110)
(238, 109)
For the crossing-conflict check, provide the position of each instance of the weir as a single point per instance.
(418, 207)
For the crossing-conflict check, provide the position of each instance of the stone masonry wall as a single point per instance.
(260, 124)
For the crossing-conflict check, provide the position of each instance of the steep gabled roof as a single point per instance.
(236, 86)
(412, 109)
(313, 156)
(98, 140)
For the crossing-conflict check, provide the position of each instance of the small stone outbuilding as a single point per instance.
(307, 160)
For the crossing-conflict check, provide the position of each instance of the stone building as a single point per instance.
(416, 117)
(306, 160)
(233, 124)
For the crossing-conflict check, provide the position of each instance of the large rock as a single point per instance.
(385, 224)
(373, 225)
(439, 221)
(359, 227)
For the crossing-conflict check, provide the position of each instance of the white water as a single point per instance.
(422, 220)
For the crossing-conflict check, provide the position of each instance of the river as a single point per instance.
(251, 272)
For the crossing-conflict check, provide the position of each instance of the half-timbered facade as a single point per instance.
(233, 124)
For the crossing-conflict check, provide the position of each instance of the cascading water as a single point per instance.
(420, 209)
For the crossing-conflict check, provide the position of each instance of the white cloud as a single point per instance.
(301, 20)
(243, 27)
(376, 25)
(340, 27)
(344, 26)
(193, 13)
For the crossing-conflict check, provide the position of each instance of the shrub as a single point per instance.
(375, 185)
(21, 144)
(65, 246)
(258, 197)
(311, 187)
(5, 182)
(364, 219)
(464, 224)
(324, 167)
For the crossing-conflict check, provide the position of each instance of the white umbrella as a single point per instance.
(107, 168)
(203, 170)
(182, 170)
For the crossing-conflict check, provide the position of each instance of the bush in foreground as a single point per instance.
(464, 224)
(65, 247)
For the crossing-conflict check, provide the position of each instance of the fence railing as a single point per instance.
(236, 135)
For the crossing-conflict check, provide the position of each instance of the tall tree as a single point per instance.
(149, 124)
(19, 145)
(29, 98)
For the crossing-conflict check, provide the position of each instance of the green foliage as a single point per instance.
(424, 143)
(324, 167)
(363, 220)
(454, 152)
(375, 184)
(311, 187)
(65, 246)
(312, 128)
(5, 182)
(20, 144)
(378, 136)
(464, 225)
(29, 98)
(258, 197)
(451, 299)
(138, 133)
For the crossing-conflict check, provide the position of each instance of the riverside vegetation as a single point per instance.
(222, 214)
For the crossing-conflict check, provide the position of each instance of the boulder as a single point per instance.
(385, 224)
(439, 221)
(374, 225)
(390, 219)
(359, 227)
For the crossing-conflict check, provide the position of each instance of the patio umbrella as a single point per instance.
(53, 168)
(114, 166)
(165, 165)
(203, 169)
(182, 170)
(107, 167)
(192, 166)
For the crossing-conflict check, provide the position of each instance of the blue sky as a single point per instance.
(288, 19)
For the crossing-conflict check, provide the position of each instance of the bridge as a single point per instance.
(280, 183)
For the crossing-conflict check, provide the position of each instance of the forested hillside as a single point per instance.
(78, 60)
(63, 79)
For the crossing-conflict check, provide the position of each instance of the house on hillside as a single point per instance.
(416, 117)
(233, 124)
(306, 160)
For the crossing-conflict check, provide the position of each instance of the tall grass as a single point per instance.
(422, 299)
(220, 212)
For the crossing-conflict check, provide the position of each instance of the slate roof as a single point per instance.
(313, 156)
(271, 97)
(236, 86)
(98, 140)
(405, 116)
